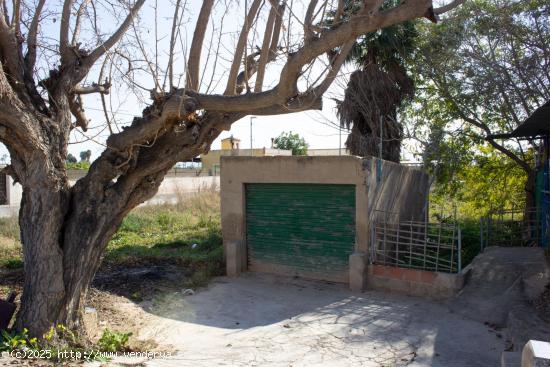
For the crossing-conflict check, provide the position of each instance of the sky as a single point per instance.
(319, 128)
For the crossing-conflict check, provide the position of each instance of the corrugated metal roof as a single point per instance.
(535, 125)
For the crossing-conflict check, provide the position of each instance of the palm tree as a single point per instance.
(377, 89)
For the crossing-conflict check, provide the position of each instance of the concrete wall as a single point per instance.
(396, 191)
(371, 194)
(335, 151)
(211, 160)
(171, 189)
(14, 194)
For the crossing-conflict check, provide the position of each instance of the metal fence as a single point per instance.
(417, 245)
(511, 228)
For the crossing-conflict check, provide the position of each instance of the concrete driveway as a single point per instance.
(261, 320)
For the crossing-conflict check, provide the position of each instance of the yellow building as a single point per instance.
(231, 143)
(231, 147)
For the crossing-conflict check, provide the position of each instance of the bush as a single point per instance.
(84, 165)
(112, 341)
(14, 341)
(13, 264)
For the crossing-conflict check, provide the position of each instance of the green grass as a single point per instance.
(187, 233)
(10, 247)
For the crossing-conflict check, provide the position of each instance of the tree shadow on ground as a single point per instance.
(385, 329)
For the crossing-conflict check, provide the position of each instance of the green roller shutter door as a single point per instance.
(304, 229)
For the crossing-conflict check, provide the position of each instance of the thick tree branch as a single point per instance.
(192, 81)
(176, 108)
(308, 19)
(173, 34)
(78, 21)
(94, 88)
(5, 12)
(333, 38)
(115, 37)
(277, 31)
(64, 29)
(524, 165)
(265, 50)
(241, 44)
(30, 58)
(10, 55)
(16, 18)
(339, 12)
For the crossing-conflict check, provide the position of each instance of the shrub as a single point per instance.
(112, 341)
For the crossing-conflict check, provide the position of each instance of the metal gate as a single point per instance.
(417, 245)
(301, 229)
(512, 228)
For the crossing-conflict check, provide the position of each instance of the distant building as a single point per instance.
(231, 147)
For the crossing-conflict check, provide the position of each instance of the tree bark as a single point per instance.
(41, 220)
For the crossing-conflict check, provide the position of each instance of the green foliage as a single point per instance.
(16, 341)
(60, 344)
(471, 245)
(83, 165)
(71, 158)
(112, 341)
(481, 71)
(488, 180)
(186, 233)
(290, 141)
(85, 155)
(13, 264)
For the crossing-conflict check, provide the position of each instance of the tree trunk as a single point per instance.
(65, 230)
(367, 143)
(41, 220)
(64, 235)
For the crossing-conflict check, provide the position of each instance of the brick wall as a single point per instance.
(415, 282)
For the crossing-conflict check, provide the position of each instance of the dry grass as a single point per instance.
(186, 232)
(10, 247)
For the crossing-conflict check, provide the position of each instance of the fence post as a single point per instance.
(459, 250)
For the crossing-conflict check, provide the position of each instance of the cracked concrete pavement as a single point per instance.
(264, 320)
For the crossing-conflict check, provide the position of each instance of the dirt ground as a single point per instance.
(276, 321)
(262, 320)
(114, 299)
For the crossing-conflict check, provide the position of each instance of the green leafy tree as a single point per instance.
(85, 155)
(482, 72)
(290, 141)
(71, 158)
(485, 182)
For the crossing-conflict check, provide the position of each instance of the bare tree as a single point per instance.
(65, 229)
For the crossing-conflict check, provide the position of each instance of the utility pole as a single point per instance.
(251, 151)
